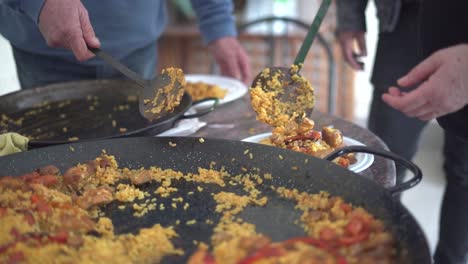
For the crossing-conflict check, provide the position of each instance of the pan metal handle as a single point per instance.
(204, 112)
(398, 188)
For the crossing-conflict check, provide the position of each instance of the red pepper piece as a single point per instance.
(15, 257)
(327, 234)
(262, 253)
(311, 135)
(35, 198)
(209, 259)
(41, 205)
(341, 260)
(308, 240)
(60, 237)
(3, 211)
(355, 226)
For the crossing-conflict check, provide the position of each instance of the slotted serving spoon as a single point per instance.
(290, 86)
(159, 95)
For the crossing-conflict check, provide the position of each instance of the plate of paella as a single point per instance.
(201, 86)
(359, 162)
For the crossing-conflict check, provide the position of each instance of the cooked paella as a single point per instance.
(202, 90)
(49, 216)
(266, 96)
(303, 138)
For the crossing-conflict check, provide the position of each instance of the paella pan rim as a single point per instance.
(84, 88)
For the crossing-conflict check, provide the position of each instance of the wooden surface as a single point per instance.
(237, 120)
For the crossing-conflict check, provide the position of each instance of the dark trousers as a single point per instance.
(397, 53)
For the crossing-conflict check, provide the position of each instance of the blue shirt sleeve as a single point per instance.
(32, 8)
(216, 19)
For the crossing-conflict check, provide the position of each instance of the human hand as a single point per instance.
(65, 24)
(348, 39)
(231, 58)
(444, 88)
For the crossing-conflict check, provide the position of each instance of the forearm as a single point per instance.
(351, 15)
(216, 19)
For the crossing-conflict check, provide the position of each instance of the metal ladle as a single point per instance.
(290, 94)
(159, 95)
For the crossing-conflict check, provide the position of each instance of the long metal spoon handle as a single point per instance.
(312, 32)
(119, 66)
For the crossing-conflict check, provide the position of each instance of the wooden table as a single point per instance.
(236, 120)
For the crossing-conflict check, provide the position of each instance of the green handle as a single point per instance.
(312, 32)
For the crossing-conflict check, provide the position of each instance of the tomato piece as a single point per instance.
(341, 260)
(209, 259)
(15, 257)
(60, 237)
(15, 233)
(35, 198)
(346, 207)
(355, 226)
(327, 234)
(3, 211)
(5, 247)
(346, 241)
(42, 207)
(28, 217)
(343, 162)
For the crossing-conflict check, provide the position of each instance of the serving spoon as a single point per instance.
(292, 96)
(160, 95)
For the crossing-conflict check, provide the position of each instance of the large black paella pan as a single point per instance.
(277, 219)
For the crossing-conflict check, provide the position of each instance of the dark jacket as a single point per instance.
(444, 23)
(351, 14)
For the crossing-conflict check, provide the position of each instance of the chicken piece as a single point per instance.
(82, 224)
(46, 180)
(75, 176)
(140, 177)
(342, 162)
(48, 170)
(29, 176)
(201, 256)
(98, 196)
(14, 183)
(50, 194)
(92, 166)
(220, 237)
(252, 244)
(104, 161)
(332, 136)
(306, 126)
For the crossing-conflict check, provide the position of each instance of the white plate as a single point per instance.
(363, 162)
(235, 89)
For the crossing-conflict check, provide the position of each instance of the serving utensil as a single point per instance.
(290, 85)
(159, 95)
